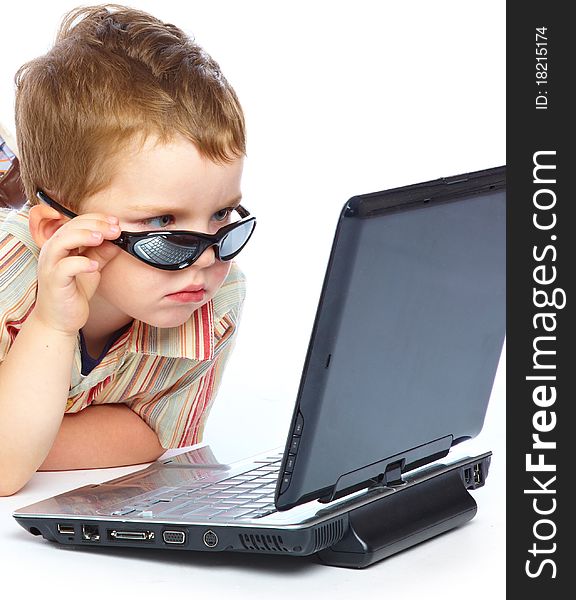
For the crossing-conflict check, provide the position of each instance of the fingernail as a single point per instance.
(96, 234)
(113, 220)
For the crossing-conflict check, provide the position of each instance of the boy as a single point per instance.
(113, 340)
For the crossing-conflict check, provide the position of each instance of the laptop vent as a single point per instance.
(263, 543)
(328, 534)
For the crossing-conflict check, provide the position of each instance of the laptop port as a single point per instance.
(478, 474)
(134, 536)
(90, 532)
(174, 537)
(474, 476)
(65, 529)
(210, 539)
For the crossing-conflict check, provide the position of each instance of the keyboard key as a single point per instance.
(123, 511)
(202, 511)
(264, 512)
(232, 513)
(231, 503)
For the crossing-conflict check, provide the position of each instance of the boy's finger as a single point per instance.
(91, 221)
(103, 253)
(67, 241)
(62, 245)
(109, 231)
(68, 269)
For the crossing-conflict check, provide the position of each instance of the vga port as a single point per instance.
(174, 537)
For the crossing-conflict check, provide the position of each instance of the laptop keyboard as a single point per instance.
(248, 495)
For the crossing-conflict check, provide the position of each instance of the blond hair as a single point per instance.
(116, 76)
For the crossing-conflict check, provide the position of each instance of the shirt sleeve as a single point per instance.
(17, 290)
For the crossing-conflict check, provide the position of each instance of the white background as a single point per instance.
(341, 98)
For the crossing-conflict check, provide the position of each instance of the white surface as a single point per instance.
(468, 560)
(341, 98)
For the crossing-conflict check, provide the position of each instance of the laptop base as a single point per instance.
(407, 517)
(357, 532)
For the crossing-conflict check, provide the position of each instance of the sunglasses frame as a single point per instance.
(128, 239)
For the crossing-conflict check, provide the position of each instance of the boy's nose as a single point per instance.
(206, 259)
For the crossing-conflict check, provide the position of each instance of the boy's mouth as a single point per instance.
(193, 293)
(191, 289)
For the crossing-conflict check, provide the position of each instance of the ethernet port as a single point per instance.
(90, 533)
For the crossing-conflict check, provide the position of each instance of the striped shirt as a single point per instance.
(168, 376)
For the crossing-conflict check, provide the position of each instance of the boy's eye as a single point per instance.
(160, 221)
(223, 214)
(163, 221)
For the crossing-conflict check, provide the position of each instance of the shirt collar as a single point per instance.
(194, 339)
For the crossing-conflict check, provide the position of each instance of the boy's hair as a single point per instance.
(115, 76)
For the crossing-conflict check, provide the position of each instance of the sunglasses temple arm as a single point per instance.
(242, 211)
(53, 204)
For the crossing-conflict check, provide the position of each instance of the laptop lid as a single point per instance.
(407, 336)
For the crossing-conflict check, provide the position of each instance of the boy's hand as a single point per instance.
(69, 270)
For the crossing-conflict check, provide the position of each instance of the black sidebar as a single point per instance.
(541, 445)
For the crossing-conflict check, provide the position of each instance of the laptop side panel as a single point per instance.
(407, 337)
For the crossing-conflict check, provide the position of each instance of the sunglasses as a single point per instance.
(174, 250)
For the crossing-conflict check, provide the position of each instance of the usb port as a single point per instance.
(478, 474)
(65, 529)
(468, 476)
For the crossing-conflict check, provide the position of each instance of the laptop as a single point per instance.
(399, 369)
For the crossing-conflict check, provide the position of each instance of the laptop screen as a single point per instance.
(407, 337)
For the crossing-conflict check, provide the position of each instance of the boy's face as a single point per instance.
(167, 186)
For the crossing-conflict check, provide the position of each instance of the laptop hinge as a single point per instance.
(388, 472)
(393, 474)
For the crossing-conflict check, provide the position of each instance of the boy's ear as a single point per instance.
(44, 221)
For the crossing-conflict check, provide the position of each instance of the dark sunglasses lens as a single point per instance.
(234, 241)
(168, 251)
